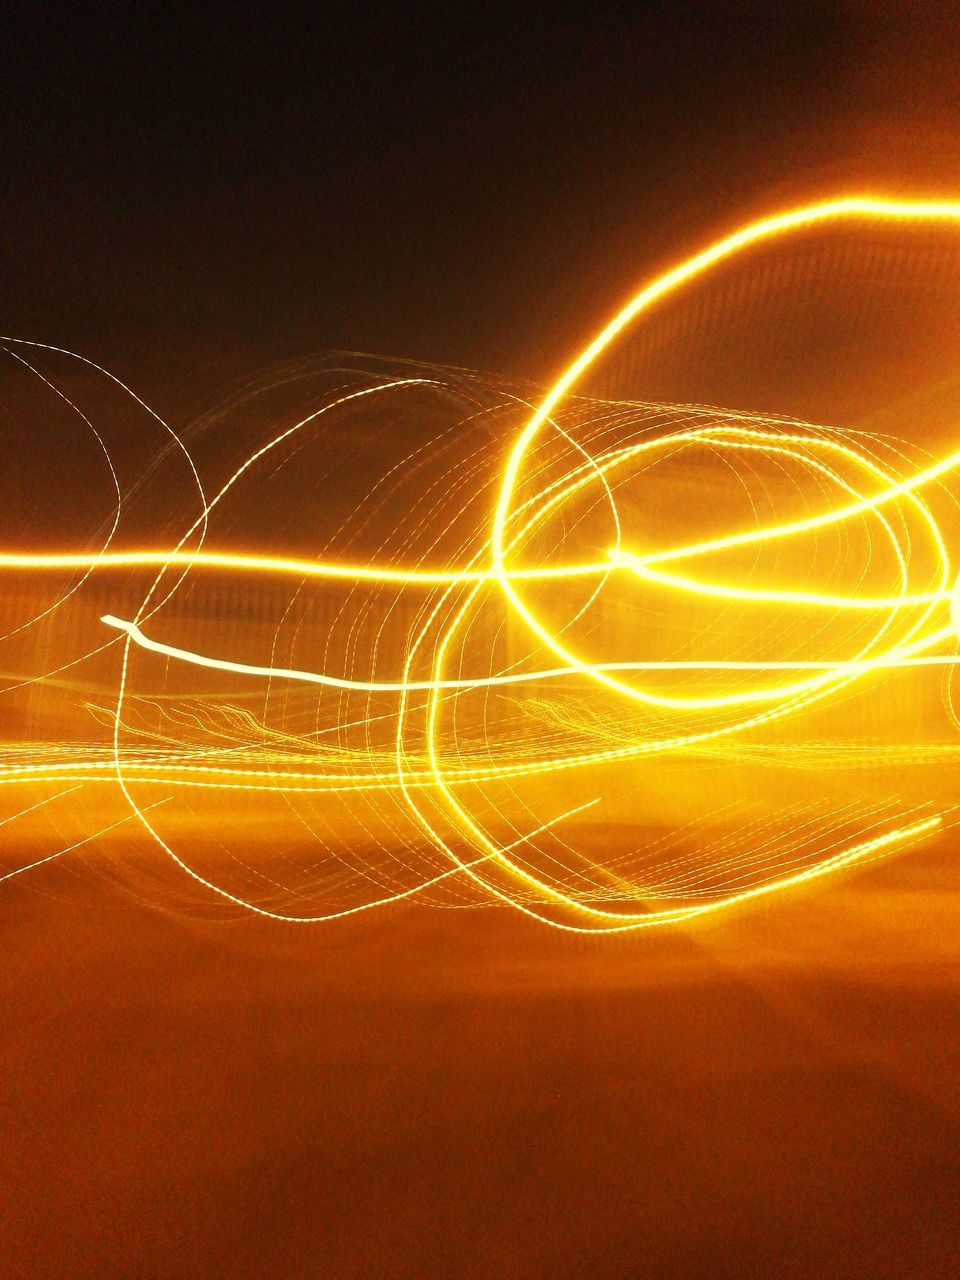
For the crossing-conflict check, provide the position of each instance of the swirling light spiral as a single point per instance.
(544, 661)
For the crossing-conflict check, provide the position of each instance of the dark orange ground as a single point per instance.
(458, 1094)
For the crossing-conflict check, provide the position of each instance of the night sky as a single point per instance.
(471, 190)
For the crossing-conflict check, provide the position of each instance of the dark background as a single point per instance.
(471, 187)
(441, 1094)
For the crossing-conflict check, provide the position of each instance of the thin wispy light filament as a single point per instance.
(531, 567)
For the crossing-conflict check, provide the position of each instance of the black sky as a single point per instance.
(470, 189)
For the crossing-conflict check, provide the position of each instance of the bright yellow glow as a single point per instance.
(900, 614)
(38, 562)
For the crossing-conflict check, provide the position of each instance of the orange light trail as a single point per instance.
(531, 569)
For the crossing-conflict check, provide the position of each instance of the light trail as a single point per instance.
(903, 659)
(546, 566)
(38, 562)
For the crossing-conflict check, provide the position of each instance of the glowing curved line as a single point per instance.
(904, 634)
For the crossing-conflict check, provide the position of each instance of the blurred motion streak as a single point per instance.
(553, 621)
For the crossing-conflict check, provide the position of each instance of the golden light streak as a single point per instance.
(535, 567)
(38, 562)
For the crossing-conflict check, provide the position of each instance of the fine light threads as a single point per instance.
(523, 676)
